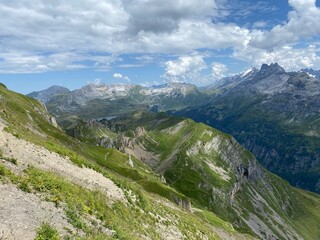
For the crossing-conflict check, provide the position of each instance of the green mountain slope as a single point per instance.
(214, 171)
(164, 178)
(100, 193)
(275, 115)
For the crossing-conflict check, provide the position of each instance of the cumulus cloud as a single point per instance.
(219, 70)
(120, 76)
(186, 69)
(164, 16)
(56, 25)
(195, 35)
(303, 22)
(285, 43)
(287, 56)
(47, 35)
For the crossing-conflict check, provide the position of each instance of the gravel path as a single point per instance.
(30, 154)
(22, 213)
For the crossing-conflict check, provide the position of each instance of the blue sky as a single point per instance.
(71, 43)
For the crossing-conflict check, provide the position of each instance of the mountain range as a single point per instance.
(98, 100)
(141, 175)
(271, 112)
(275, 115)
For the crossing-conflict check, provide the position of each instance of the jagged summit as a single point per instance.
(273, 68)
(275, 114)
(93, 90)
(312, 72)
(273, 79)
(170, 88)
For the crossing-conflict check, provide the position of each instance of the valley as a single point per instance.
(160, 120)
(138, 158)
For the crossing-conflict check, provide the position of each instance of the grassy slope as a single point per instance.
(192, 176)
(266, 131)
(27, 119)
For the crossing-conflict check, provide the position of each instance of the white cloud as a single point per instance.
(117, 75)
(195, 35)
(47, 35)
(164, 16)
(120, 76)
(260, 24)
(288, 57)
(96, 82)
(303, 22)
(29, 62)
(284, 43)
(186, 69)
(219, 70)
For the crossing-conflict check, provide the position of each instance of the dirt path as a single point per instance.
(22, 213)
(30, 154)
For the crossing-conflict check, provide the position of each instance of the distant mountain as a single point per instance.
(313, 73)
(273, 113)
(101, 100)
(45, 95)
(276, 115)
(222, 85)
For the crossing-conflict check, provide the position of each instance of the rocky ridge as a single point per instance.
(275, 114)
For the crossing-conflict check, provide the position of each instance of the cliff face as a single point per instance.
(275, 115)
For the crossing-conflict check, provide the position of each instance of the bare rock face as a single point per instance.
(106, 142)
(139, 132)
(125, 142)
(183, 203)
(275, 115)
(54, 122)
(162, 179)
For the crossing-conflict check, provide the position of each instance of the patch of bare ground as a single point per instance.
(28, 154)
(22, 213)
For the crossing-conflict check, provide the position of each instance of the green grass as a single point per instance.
(46, 232)
(78, 201)
(127, 221)
(3, 170)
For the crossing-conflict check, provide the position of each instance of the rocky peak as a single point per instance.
(250, 72)
(45, 95)
(271, 69)
(169, 89)
(303, 81)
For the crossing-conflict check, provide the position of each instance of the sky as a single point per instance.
(149, 42)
